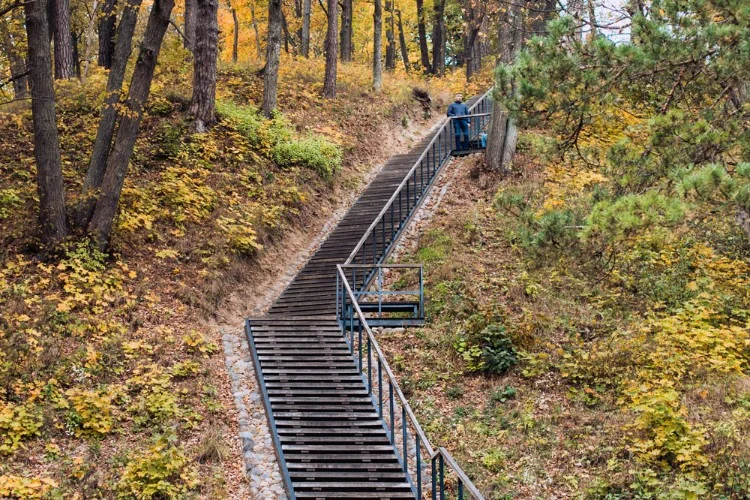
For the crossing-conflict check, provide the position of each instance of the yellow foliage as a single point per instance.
(25, 487)
(93, 409)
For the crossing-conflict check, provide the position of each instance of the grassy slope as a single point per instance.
(109, 382)
(631, 381)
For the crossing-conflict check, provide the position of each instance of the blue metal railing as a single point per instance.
(432, 473)
(380, 238)
(383, 307)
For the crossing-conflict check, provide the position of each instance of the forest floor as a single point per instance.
(112, 375)
(550, 373)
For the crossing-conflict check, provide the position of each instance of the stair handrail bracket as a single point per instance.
(363, 345)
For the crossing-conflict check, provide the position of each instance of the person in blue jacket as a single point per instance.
(457, 110)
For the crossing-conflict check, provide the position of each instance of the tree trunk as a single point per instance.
(76, 55)
(390, 47)
(46, 141)
(273, 52)
(377, 55)
(203, 105)
(11, 43)
(107, 23)
(332, 50)
(254, 23)
(107, 122)
(64, 58)
(402, 41)
(89, 41)
(502, 136)
(191, 19)
(305, 42)
(438, 39)
(140, 85)
(592, 19)
(539, 19)
(575, 9)
(346, 31)
(236, 36)
(287, 36)
(422, 30)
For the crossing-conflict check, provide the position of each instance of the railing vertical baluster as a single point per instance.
(369, 364)
(359, 328)
(380, 388)
(441, 478)
(460, 490)
(434, 477)
(393, 420)
(419, 467)
(405, 432)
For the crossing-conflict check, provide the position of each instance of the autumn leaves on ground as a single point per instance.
(111, 384)
(587, 279)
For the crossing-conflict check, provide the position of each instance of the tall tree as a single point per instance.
(203, 105)
(191, 19)
(89, 39)
(438, 39)
(332, 49)
(305, 40)
(254, 23)
(502, 135)
(107, 24)
(377, 56)
(11, 41)
(347, 50)
(64, 58)
(390, 47)
(273, 53)
(422, 33)
(46, 141)
(475, 13)
(402, 41)
(106, 128)
(122, 149)
(235, 31)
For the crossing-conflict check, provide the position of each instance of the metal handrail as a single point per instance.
(379, 293)
(482, 104)
(438, 458)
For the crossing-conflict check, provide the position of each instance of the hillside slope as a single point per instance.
(111, 379)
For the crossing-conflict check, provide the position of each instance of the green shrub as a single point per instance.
(162, 471)
(314, 153)
(554, 229)
(9, 199)
(492, 352)
(245, 119)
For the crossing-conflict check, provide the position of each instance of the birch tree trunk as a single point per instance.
(390, 47)
(46, 141)
(332, 49)
(377, 53)
(122, 149)
(89, 42)
(273, 52)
